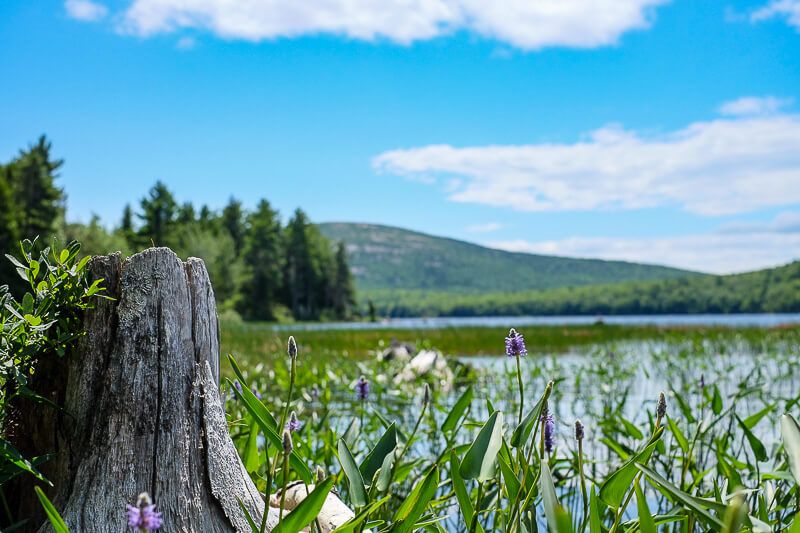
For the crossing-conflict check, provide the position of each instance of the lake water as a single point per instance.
(737, 320)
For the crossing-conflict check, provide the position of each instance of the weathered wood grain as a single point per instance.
(142, 410)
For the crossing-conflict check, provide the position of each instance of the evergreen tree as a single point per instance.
(262, 253)
(159, 216)
(8, 232)
(233, 221)
(301, 271)
(38, 201)
(342, 284)
(186, 215)
(126, 229)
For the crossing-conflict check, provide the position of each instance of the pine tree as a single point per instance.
(159, 216)
(8, 232)
(186, 214)
(262, 253)
(39, 202)
(126, 229)
(233, 221)
(342, 284)
(301, 271)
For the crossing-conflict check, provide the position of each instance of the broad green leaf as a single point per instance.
(735, 515)
(251, 459)
(699, 506)
(417, 501)
(790, 433)
(716, 401)
(10, 454)
(756, 445)
(385, 474)
(595, 525)
(617, 484)
(479, 461)
(358, 495)
(678, 434)
(457, 410)
(307, 510)
(355, 522)
(646, 523)
(754, 419)
(375, 458)
(512, 482)
(462, 496)
(523, 430)
(52, 514)
(553, 511)
(266, 422)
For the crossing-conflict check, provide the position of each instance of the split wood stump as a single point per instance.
(141, 408)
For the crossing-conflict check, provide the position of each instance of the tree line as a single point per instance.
(259, 267)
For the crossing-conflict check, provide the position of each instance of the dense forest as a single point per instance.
(765, 291)
(260, 268)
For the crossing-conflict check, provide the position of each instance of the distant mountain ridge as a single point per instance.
(389, 258)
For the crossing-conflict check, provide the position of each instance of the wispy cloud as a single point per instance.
(788, 9)
(754, 105)
(715, 167)
(524, 24)
(488, 227)
(186, 43)
(730, 249)
(85, 10)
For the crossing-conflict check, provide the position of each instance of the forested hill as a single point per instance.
(385, 257)
(772, 290)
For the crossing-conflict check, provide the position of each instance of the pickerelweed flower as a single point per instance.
(144, 515)
(362, 388)
(287, 442)
(515, 344)
(578, 430)
(549, 433)
(293, 424)
(255, 392)
(661, 408)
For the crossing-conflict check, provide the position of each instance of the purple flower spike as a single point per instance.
(293, 424)
(549, 433)
(255, 392)
(362, 389)
(144, 515)
(515, 344)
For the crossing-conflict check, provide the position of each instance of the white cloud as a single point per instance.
(85, 10)
(788, 9)
(524, 24)
(489, 227)
(728, 250)
(716, 167)
(754, 105)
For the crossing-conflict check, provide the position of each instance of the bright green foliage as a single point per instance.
(39, 201)
(678, 476)
(44, 323)
(159, 217)
(233, 222)
(263, 277)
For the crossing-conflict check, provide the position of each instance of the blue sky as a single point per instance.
(649, 130)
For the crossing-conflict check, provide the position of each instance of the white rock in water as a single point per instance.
(333, 514)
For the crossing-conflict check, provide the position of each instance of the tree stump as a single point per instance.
(141, 406)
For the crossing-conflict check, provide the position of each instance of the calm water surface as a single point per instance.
(738, 320)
